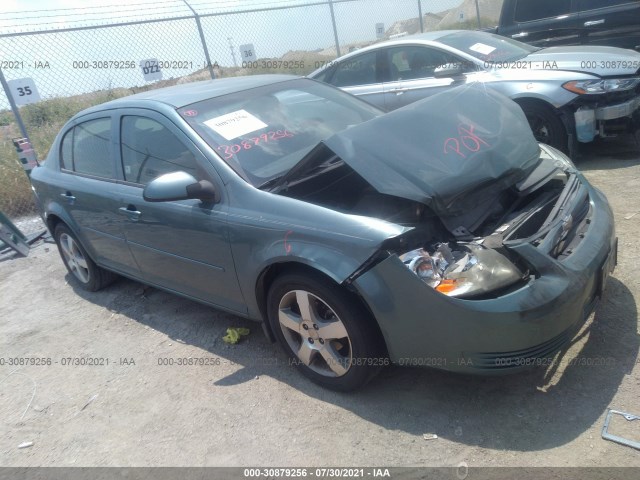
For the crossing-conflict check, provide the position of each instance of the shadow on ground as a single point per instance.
(539, 409)
(609, 153)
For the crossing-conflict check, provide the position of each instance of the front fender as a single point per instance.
(292, 231)
(545, 85)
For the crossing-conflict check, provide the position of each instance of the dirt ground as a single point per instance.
(249, 407)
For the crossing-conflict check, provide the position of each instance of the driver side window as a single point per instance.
(149, 150)
(359, 70)
(413, 62)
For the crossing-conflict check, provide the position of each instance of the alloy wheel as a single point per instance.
(315, 333)
(74, 258)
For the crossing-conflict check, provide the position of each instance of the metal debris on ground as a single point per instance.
(89, 402)
(615, 438)
(25, 445)
(429, 436)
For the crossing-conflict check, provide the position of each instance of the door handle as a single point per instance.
(68, 196)
(131, 212)
(594, 22)
(398, 90)
(520, 35)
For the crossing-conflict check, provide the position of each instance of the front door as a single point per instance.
(615, 23)
(544, 23)
(412, 74)
(179, 245)
(361, 75)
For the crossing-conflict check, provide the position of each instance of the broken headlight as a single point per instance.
(469, 271)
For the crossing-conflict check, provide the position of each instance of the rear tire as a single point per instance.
(327, 334)
(546, 125)
(83, 270)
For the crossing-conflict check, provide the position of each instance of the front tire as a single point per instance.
(546, 125)
(326, 332)
(84, 271)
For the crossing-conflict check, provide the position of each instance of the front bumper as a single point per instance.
(620, 110)
(605, 120)
(422, 327)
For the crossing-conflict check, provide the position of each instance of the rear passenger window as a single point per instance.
(86, 148)
(149, 150)
(66, 151)
(529, 10)
(593, 4)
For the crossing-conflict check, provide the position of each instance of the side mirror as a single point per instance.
(448, 71)
(179, 186)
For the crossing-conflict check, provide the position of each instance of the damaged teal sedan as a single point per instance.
(441, 234)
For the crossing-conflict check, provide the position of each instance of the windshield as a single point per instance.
(263, 132)
(488, 47)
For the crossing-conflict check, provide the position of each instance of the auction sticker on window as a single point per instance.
(235, 124)
(482, 48)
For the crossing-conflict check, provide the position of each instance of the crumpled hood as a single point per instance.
(452, 152)
(601, 61)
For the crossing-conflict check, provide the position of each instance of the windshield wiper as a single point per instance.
(309, 165)
(270, 183)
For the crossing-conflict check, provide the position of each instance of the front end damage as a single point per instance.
(537, 275)
(509, 247)
(605, 113)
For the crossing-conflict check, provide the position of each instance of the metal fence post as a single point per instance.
(202, 39)
(335, 28)
(420, 16)
(478, 15)
(14, 107)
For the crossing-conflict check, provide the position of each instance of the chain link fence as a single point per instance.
(75, 67)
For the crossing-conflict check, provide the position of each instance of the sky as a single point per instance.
(57, 62)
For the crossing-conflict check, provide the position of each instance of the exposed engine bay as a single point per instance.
(548, 209)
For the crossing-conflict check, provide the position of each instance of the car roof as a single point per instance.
(187, 93)
(428, 36)
(417, 37)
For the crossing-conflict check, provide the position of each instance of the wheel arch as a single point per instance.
(271, 272)
(56, 216)
(534, 100)
(563, 114)
(53, 221)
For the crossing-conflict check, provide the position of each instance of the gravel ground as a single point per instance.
(249, 407)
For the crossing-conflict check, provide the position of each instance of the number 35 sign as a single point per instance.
(24, 91)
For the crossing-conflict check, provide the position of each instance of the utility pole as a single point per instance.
(335, 29)
(478, 15)
(233, 51)
(204, 42)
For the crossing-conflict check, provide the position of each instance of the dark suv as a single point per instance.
(546, 23)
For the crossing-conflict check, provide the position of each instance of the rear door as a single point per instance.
(181, 245)
(615, 23)
(543, 23)
(412, 74)
(88, 191)
(361, 75)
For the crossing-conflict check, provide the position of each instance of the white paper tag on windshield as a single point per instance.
(482, 48)
(235, 124)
